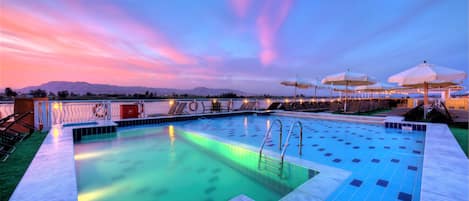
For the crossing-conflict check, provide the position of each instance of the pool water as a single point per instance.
(386, 164)
(166, 163)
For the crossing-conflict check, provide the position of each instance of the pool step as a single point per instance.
(270, 165)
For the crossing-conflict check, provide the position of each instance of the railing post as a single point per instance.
(109, 110)
(49, 115)
(142, 103)
(36, 115)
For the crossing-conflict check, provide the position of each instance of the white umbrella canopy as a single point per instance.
(348, 78)
(297, 84)
(376, 87)
(343, 89)
(316, 84)
(428, 73)
(427, 76)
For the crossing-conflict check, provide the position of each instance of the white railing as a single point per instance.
(6, 108)
(52, 112)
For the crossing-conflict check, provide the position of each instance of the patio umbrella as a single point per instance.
(297, 84)
(348, 79)
(343, 90)
(316, 84)
(427, 76)
(375, 88)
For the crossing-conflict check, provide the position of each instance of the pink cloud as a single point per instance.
(268, 23)
(51, 46)
(240, 7)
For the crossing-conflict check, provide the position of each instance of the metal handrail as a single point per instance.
(300, 143)
(268, 133)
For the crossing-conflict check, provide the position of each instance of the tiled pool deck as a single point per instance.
(51, 175)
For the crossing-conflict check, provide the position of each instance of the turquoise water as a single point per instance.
(386, 164)
(166, 163)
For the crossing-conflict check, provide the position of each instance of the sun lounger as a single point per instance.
(353, 107)
(4, 155)
(9, 135)
(180, 108)
(273, 106)
(286, 106)
(172, 109)
(7, 118)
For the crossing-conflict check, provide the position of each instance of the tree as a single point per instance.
(229, 95)
(63, 94)
(38, 93)
(9, 92)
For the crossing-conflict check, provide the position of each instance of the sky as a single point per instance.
(249, 45)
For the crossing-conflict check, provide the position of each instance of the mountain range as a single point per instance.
(84, 87)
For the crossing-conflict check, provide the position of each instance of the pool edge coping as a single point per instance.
(432, 168)
(442, 156)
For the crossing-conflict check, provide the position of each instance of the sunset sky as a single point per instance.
(250, 45)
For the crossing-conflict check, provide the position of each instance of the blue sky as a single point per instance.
(241, 44)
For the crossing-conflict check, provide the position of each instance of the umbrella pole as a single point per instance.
(425, 99)
(346, 92)
(294, 98)
(315, 97)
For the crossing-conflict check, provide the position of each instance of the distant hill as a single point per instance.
(84, 87)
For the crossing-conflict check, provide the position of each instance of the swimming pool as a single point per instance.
(386, 164)
(165, 163)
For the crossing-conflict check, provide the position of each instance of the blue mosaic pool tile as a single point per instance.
(337, 160)
(356, 183)
(382, 182)
(416, 152)
(356, 160)
(374, 160)
(410, 167)
(395, 160)
(327, 154)
(404, 196)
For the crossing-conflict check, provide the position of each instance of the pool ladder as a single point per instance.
(268, 135)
